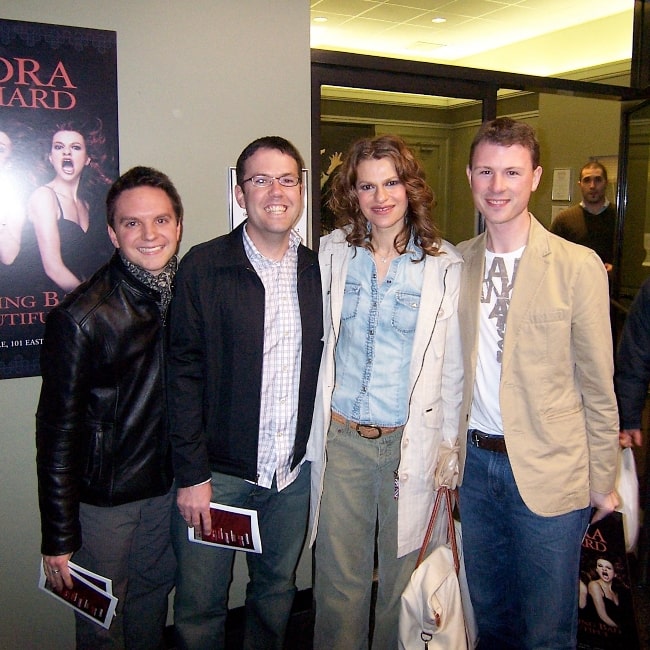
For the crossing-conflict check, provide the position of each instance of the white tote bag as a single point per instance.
(436, 611)
(627, 488)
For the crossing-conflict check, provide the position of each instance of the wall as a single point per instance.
(197, 82)
(463, 220)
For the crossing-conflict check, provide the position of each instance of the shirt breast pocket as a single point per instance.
(546, 337)
(351, 297)
(405, 311)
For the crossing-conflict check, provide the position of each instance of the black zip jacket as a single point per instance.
(101, 422)
(215, 360)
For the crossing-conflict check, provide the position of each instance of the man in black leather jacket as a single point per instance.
(103, 453)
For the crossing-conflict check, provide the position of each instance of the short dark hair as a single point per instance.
(142, 177)
(591, 165)
(505, 132)
(268, 142)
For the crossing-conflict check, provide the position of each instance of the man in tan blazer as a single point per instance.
(539, 424)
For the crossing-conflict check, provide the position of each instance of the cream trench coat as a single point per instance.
(556, 391)
(435, 385)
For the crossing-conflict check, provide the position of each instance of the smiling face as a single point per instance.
(502, 179)
(272, 211)
(146, 229)
(68, 154)
(382, 195)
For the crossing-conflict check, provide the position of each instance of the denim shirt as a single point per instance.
(373, 351)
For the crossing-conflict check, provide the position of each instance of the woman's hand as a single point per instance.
(447, 469)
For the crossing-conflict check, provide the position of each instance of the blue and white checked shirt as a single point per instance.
(281, 363)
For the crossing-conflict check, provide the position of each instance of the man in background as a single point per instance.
(591, 222)
(103, 454)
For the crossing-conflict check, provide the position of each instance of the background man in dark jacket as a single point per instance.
(245, 346)
(103, 455)
(592, 221)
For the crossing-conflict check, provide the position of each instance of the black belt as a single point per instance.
(487, 441)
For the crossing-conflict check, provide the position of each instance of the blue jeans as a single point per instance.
(130, 544)
(204, 573)
(358, 506)
(522, 569)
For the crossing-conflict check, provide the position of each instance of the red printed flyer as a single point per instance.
(88, 596)
(233, 528)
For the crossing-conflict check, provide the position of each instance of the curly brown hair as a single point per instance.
(344, 201)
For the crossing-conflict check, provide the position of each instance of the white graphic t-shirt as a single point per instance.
(496, 292)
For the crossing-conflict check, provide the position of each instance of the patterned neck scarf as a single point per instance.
(162, 283)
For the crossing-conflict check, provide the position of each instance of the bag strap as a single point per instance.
(443, 492)
(429, 531)
(451, 532)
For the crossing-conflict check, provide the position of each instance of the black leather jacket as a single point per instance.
(101, 422)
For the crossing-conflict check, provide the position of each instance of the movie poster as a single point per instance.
(58, 156)
(606, 615)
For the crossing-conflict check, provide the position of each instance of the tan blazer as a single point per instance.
(556, 391)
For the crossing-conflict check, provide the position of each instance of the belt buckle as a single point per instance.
(368, 426)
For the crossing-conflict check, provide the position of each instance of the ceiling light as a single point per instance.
(438, 20)
(320, 19)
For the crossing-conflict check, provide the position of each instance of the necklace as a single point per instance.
(385, 258)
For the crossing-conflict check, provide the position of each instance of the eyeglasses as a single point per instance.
(267, 181)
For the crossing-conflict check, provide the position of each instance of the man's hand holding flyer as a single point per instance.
(91, 594)
(234, 528)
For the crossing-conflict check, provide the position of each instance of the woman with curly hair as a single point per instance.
(386, 416)
(71, 241)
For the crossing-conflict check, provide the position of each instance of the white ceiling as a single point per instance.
(539, 37)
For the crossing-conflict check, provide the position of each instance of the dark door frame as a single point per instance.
(627, 112)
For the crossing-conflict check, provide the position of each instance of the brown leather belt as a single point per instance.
(486, 441)
(369, 431)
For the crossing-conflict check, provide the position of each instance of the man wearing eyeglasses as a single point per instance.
(245, 348)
